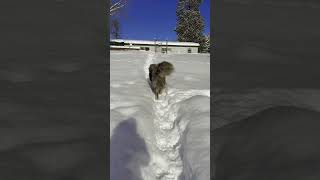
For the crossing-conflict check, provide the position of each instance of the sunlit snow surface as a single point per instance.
(165, 139)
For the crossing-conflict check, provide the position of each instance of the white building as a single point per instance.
(155, 46)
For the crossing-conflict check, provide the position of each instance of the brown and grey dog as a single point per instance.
(157, 76)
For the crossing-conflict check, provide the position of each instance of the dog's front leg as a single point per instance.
(166, 89)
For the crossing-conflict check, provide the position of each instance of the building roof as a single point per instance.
(124, 47)
(170, 43)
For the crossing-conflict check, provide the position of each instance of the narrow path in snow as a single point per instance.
(167, 132)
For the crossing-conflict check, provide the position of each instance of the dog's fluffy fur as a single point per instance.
(157, 76)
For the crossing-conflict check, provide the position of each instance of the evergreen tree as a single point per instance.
(190, 23)
(207, 43)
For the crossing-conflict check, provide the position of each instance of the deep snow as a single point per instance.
(160, 139)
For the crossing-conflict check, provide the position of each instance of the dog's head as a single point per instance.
(165, 68)
(152, 67)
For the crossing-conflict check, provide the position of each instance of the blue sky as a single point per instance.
(149, 19)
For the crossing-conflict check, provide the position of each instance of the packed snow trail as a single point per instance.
(168, 133)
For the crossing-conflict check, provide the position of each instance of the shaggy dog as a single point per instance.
(157, 76)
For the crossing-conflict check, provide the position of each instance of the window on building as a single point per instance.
(189, 50)
(145, 48)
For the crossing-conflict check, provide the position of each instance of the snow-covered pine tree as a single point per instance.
(190, 23)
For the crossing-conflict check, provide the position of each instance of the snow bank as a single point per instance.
(159, 139)
(195, 115)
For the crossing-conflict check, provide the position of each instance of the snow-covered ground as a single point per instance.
(165, 139)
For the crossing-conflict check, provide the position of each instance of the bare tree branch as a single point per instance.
(115, 7)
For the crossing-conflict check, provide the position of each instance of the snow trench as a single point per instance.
(168, 131)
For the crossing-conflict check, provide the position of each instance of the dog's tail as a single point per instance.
(165, 68)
